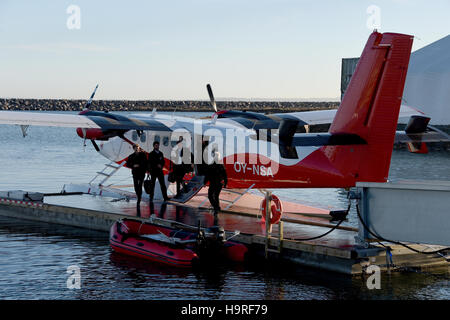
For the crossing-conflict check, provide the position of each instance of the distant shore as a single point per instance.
(161, 105)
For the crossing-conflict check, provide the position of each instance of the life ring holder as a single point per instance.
(276, 209)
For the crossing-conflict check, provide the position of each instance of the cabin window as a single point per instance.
(134, 135)
(157, 138)
(165, 141)
(143, 137)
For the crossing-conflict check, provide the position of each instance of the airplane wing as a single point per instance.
(46, 119)
(435, 135)
(257, 121)
(104, 121)
(107, 121)
(287, 123)
(249, 120)
(327, 116)
(325, 138)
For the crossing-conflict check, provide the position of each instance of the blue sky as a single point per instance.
(172, 49)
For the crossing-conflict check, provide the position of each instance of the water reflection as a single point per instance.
(140, 267)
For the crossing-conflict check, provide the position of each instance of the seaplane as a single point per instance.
(277, 150)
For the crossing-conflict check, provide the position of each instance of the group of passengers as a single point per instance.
(141, 162)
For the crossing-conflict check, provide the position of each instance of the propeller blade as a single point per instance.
(211, 97)
(88, 104)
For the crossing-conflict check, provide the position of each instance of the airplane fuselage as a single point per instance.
(251, 158)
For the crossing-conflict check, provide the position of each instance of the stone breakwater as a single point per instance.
(160, 105)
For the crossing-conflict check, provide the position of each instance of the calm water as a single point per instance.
(34, 256)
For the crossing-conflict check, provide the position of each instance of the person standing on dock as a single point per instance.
(216, 175)
(156, 164)
(137, 162)
(178, 166)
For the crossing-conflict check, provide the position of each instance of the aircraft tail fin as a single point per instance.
(371, 104)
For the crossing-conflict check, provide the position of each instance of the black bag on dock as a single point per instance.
(147, 185)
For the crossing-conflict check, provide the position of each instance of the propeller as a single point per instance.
(86, 109)
(88, 104)
(211, 97)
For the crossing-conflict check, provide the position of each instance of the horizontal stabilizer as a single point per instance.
(417, 147)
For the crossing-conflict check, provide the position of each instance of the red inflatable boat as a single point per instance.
(174, 247)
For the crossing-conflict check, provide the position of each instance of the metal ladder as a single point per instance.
(269, 235)
(112, 165)
(240, 194)
(193, 187)
(231, 202)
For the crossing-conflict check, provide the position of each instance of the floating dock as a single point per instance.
(335, 252)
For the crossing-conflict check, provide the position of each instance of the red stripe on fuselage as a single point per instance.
(314, 171)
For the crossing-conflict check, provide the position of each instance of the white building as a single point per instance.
(427, 84)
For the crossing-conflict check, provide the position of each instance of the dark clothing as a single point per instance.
(180, 167)
(155, 159)
(160, 177)
(202, 169)
(179, 172)
(216, 175)
(156, 172)
(213, 195)
(138, 164)
(138, 182)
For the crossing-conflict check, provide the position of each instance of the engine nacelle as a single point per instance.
(92, 134)
(100, 134)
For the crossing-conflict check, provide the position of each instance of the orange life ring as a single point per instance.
(276, 208)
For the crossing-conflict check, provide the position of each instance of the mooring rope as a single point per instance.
(329, 231)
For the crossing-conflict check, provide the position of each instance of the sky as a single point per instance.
(170, 50)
